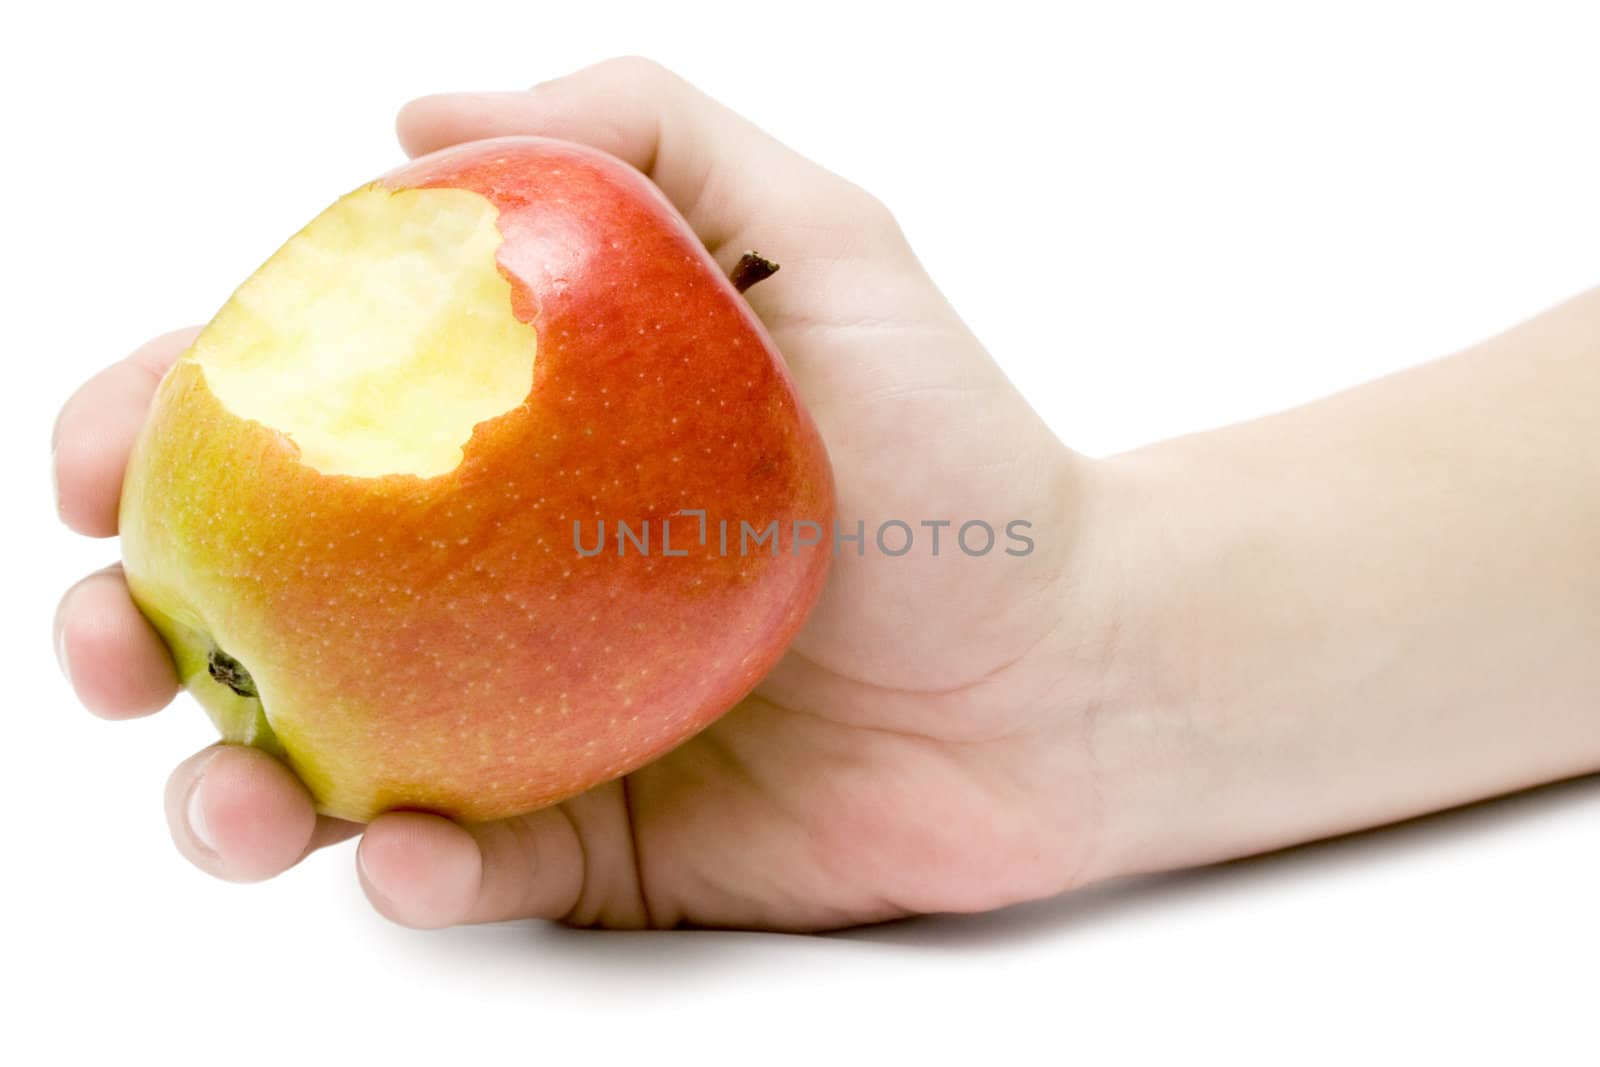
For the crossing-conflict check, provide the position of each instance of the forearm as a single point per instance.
(1378, 605)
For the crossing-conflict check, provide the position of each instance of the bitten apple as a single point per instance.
(351, 511)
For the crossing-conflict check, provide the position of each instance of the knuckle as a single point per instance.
(640, 70)
(870, 213)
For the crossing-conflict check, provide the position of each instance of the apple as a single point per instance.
(356, 510)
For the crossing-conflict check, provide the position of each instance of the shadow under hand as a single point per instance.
(1128, 897)
(643, 962)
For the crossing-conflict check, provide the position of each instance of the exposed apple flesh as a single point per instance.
(350, 513)
(378, 337)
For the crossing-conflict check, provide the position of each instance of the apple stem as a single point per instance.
(751, 268)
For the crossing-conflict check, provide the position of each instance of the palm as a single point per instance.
(867, 776)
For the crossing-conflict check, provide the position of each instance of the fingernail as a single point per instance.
(366, 877)
(55, 481)
(196, 817)
(61, 651)
(361, 862)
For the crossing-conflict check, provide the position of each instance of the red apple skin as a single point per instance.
(438, 643)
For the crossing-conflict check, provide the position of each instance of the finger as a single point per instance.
(427, 872)
(729, 179)
(241, 815)
(420, 870)
(95, 431)
(574, 862)
(117, 664)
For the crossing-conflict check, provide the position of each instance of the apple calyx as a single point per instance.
(752, 267)
(230, 672)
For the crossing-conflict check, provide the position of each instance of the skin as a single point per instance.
(1376, 606)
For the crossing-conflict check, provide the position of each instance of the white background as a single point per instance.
(1159, 218)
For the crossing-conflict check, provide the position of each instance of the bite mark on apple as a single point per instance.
(378, 337)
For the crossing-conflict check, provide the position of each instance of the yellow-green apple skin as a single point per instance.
(360, 485)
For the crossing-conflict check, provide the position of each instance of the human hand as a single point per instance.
(921, 747)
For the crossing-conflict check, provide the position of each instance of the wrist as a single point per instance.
(1134, 697)
(1216, 681)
